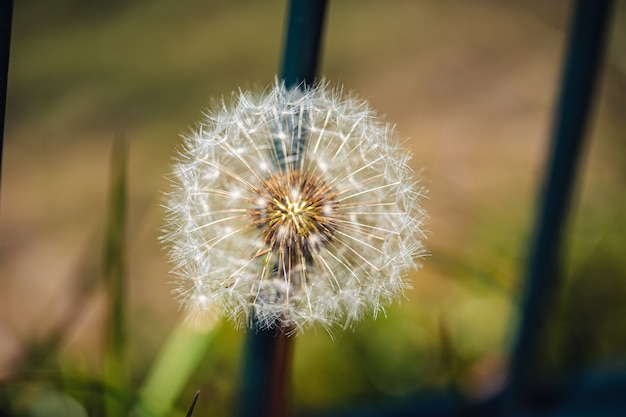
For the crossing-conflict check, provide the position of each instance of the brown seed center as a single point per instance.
(296, 211)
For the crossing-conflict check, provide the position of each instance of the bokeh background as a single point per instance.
(471, 85)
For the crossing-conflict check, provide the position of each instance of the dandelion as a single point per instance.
(293, 207)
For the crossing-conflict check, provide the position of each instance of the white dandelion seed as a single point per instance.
(294, 207)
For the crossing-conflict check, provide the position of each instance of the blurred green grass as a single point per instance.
(471, 85)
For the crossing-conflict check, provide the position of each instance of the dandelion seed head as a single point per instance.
(294, 207)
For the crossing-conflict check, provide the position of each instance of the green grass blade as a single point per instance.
(115, 372)
(193, 404)
(179, 358)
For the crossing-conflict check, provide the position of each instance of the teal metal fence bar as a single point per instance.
(582, 63)
(303, 40)
(268, 351)
(6, 17)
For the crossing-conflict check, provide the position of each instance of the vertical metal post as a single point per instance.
(303, 41)
(6, 17)
(582, 62)
(268, 351)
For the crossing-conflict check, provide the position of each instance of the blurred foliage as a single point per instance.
(472, 84)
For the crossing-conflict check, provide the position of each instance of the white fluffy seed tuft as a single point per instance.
(293, 207)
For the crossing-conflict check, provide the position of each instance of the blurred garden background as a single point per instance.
(471, 86)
